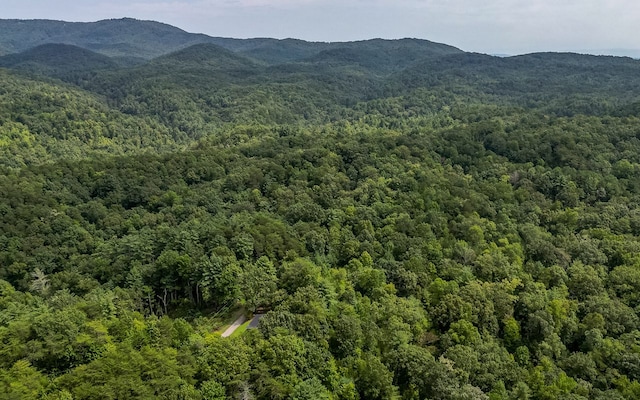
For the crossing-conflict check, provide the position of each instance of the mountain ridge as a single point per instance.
(128, 37)
(58, 56)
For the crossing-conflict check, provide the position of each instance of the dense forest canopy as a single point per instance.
(414, 221)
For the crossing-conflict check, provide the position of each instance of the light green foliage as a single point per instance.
(463, 332)
(310, 390)
(21, 381)
(212, 390)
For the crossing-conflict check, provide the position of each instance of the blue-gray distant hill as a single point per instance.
(117, 37)
(57, 60)
(130, 38)
(194, 84)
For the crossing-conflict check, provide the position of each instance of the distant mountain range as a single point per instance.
(107, 56)
(118, 86)
(633, 53)
(130, 38)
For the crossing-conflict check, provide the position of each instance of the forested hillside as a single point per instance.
(130, 38)
(414, 222)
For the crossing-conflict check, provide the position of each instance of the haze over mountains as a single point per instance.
(419, 222)
(58, 48)
(147, 39)
(192, 84)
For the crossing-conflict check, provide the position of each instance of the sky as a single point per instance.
(489, 26)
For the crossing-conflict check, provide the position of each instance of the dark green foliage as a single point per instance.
(58, 60)
(414, 222)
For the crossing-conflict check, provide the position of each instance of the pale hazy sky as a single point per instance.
(490, 26)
